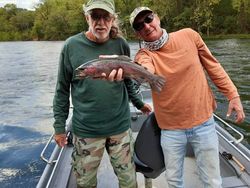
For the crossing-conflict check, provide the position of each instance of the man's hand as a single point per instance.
(114, 75)
(61, 139)
(146, 109)
(235, 105)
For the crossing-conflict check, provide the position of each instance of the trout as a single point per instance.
(105, 64)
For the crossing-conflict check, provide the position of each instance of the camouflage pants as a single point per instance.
(88, 152)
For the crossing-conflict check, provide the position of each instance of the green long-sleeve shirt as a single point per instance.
(100, 108)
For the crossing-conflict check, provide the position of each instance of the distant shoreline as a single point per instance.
(205, 37)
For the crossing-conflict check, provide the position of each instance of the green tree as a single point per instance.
(225, 18)
(243, 9)
(23, 20)
(11, 10)
(58, 19)
(16, 23)
(183, 20)
(203, 14)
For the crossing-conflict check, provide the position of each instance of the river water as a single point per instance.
(27, 80)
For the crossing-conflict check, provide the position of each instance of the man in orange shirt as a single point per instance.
(184, 108)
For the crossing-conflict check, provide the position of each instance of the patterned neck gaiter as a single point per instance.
(155, 45)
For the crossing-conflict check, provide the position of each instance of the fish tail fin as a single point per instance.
(157, 83)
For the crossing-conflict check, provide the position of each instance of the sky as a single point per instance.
(27, 4)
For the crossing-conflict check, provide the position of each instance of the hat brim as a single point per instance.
(99, 6)
(144, 12)
(138, 14)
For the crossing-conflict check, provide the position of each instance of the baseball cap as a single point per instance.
(136, 12)
(107, 5)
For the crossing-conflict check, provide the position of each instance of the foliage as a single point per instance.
(59, 19)
(16, 24)
(243, 13)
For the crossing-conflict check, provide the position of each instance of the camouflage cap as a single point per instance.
(107, 5)
(136, 12)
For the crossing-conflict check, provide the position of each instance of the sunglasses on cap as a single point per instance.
(97, 16)
(140, 25)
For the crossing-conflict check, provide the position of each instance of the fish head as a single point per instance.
(84, 72)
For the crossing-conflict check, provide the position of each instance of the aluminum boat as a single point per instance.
(234, 161)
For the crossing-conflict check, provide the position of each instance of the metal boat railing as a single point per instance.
(235, 130)
(232, 142)
(48, 161)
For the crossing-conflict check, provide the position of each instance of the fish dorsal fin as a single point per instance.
(108, 56)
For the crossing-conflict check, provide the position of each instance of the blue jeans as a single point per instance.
(204, 141)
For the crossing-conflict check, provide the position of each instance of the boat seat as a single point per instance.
(148, 155)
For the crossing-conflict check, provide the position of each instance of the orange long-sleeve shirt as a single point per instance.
(186, 99)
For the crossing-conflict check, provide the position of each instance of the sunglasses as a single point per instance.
(140, 25)
(97, 17)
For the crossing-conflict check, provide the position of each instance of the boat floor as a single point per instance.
(107, 179)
